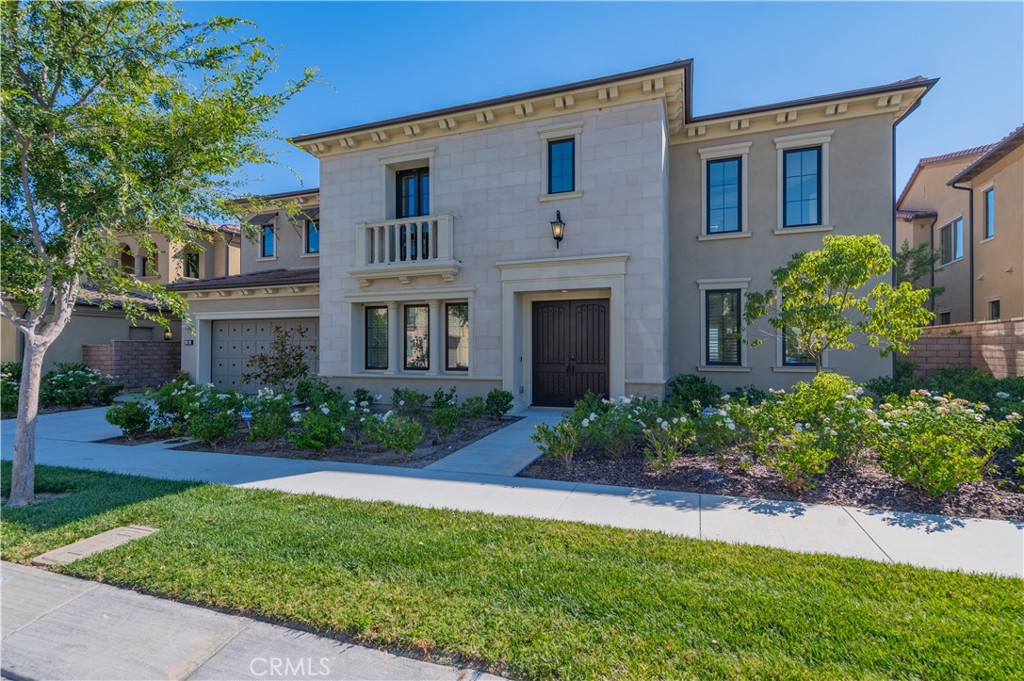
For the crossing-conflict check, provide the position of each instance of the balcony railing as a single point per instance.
(406, 247)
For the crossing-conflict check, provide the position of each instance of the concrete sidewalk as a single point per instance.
(940, 542)
(503, 452)
(58, 627)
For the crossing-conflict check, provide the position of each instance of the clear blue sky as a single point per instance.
(381, 60)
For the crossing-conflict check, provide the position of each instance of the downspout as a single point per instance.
(931, 261)
(970, 237)
(892, 235)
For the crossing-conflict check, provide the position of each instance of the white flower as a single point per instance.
(364, 403)
(983, 407)
(378, 397)
(362, 419)
(593, 416)
(324, 409)
(664, 425)
(586, 422)
(799, 427)
(401, 403)
(222, 396)
(1001, 395)
(296, 417)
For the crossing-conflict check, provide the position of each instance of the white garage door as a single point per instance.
(236, 340)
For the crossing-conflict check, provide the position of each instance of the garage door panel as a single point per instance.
(234, 341)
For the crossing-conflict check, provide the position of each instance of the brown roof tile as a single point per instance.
(277, 277)
(992, 156)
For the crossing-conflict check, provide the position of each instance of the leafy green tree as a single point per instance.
(915, 263)
(818, 297)
(118, 118)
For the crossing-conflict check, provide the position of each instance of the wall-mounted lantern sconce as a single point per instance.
(168, 335)
(557, 228)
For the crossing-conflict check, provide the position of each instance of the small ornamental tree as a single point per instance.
(118, 118)
(914, 263)
(285, 363)
(818, 299)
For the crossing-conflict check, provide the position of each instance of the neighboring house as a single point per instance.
(968, 207)
(592, 236)
(171, 262)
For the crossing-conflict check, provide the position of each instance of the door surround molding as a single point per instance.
(574, 277)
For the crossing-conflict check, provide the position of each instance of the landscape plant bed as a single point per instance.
(433, 447)
(527, 598)
(998, 495)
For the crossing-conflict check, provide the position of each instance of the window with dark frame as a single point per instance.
(456, 337)
(990, 213)
(412, 197)
(268, 247)
(562, 166)
(417, 337)
(993, 309)
(145, 267)
(801, 187)
(376, 338)
(312, 237)
(723, 199)
(951, 238)
(944, 317)
(791, 355)
(192, 265)
(722, 327)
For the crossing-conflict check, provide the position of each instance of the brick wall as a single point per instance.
(140, 364)
(996, 346)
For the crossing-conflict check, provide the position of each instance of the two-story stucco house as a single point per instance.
(591, 236)
(968, 206)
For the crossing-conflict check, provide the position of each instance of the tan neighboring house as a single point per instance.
(591, 236)
(967, 206)
(94, 324)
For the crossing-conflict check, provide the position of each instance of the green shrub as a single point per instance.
(443, 398)
(398, 433)
(798, 456)
(133, 417)
(10, 386)
(937, 442)
(175, 402)
(690, 393)
(900, 384)
(498, 403)
(445, 417)
(560, 441)
(615, 430)
(748, 394)
(210, 425)
(668, 439)
(314, 390)
(474, 407)
(364, 398)
(75, 385)
(715, 430)
(271, 415)
(408, 401)
(318, 429)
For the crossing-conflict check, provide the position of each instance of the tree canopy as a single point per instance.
(818, 298)
(119, 118)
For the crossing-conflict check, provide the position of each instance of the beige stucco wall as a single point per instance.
(490, 180)
(196, 342)
(928, 191)
(999, 261)
(860, 202)
(88, 325)
(219, 257)
(291, 246)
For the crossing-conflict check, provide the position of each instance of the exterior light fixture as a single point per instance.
(168, 335)
(557, 228)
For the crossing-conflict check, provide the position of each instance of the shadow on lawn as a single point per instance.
(82, 494)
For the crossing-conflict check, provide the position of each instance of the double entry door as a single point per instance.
(570, 350)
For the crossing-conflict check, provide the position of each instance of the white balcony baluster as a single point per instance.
(407, 246)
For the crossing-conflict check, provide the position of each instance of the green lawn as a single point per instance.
(530, 598)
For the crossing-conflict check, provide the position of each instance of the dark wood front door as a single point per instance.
(570, 351)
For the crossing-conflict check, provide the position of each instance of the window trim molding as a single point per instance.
(821, 138)
(740, 150)
(553, 133)
(740, 284)
(998, 301)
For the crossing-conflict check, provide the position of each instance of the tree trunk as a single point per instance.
(23, 473)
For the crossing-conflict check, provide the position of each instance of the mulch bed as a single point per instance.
(433, 447)
(998, 496)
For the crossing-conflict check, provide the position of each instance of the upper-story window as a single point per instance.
(146, 267)
(191, 264)
(801, 188)
(723, 199)
(561, 166)
(412, 192)
(268, 242)
(951, 237)
(312, 237)
(990, 213)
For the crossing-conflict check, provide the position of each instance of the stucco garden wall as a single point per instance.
(995, 346)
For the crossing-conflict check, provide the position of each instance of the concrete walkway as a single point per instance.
(58, 627)
(939, 542)
(503, 451)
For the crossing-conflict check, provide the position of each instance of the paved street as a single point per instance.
(940, 542)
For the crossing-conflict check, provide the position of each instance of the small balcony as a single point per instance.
(405, 248)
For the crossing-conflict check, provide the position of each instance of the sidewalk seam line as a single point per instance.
(247, 623)
(56, 607)
(887, 556)
(564, 501)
